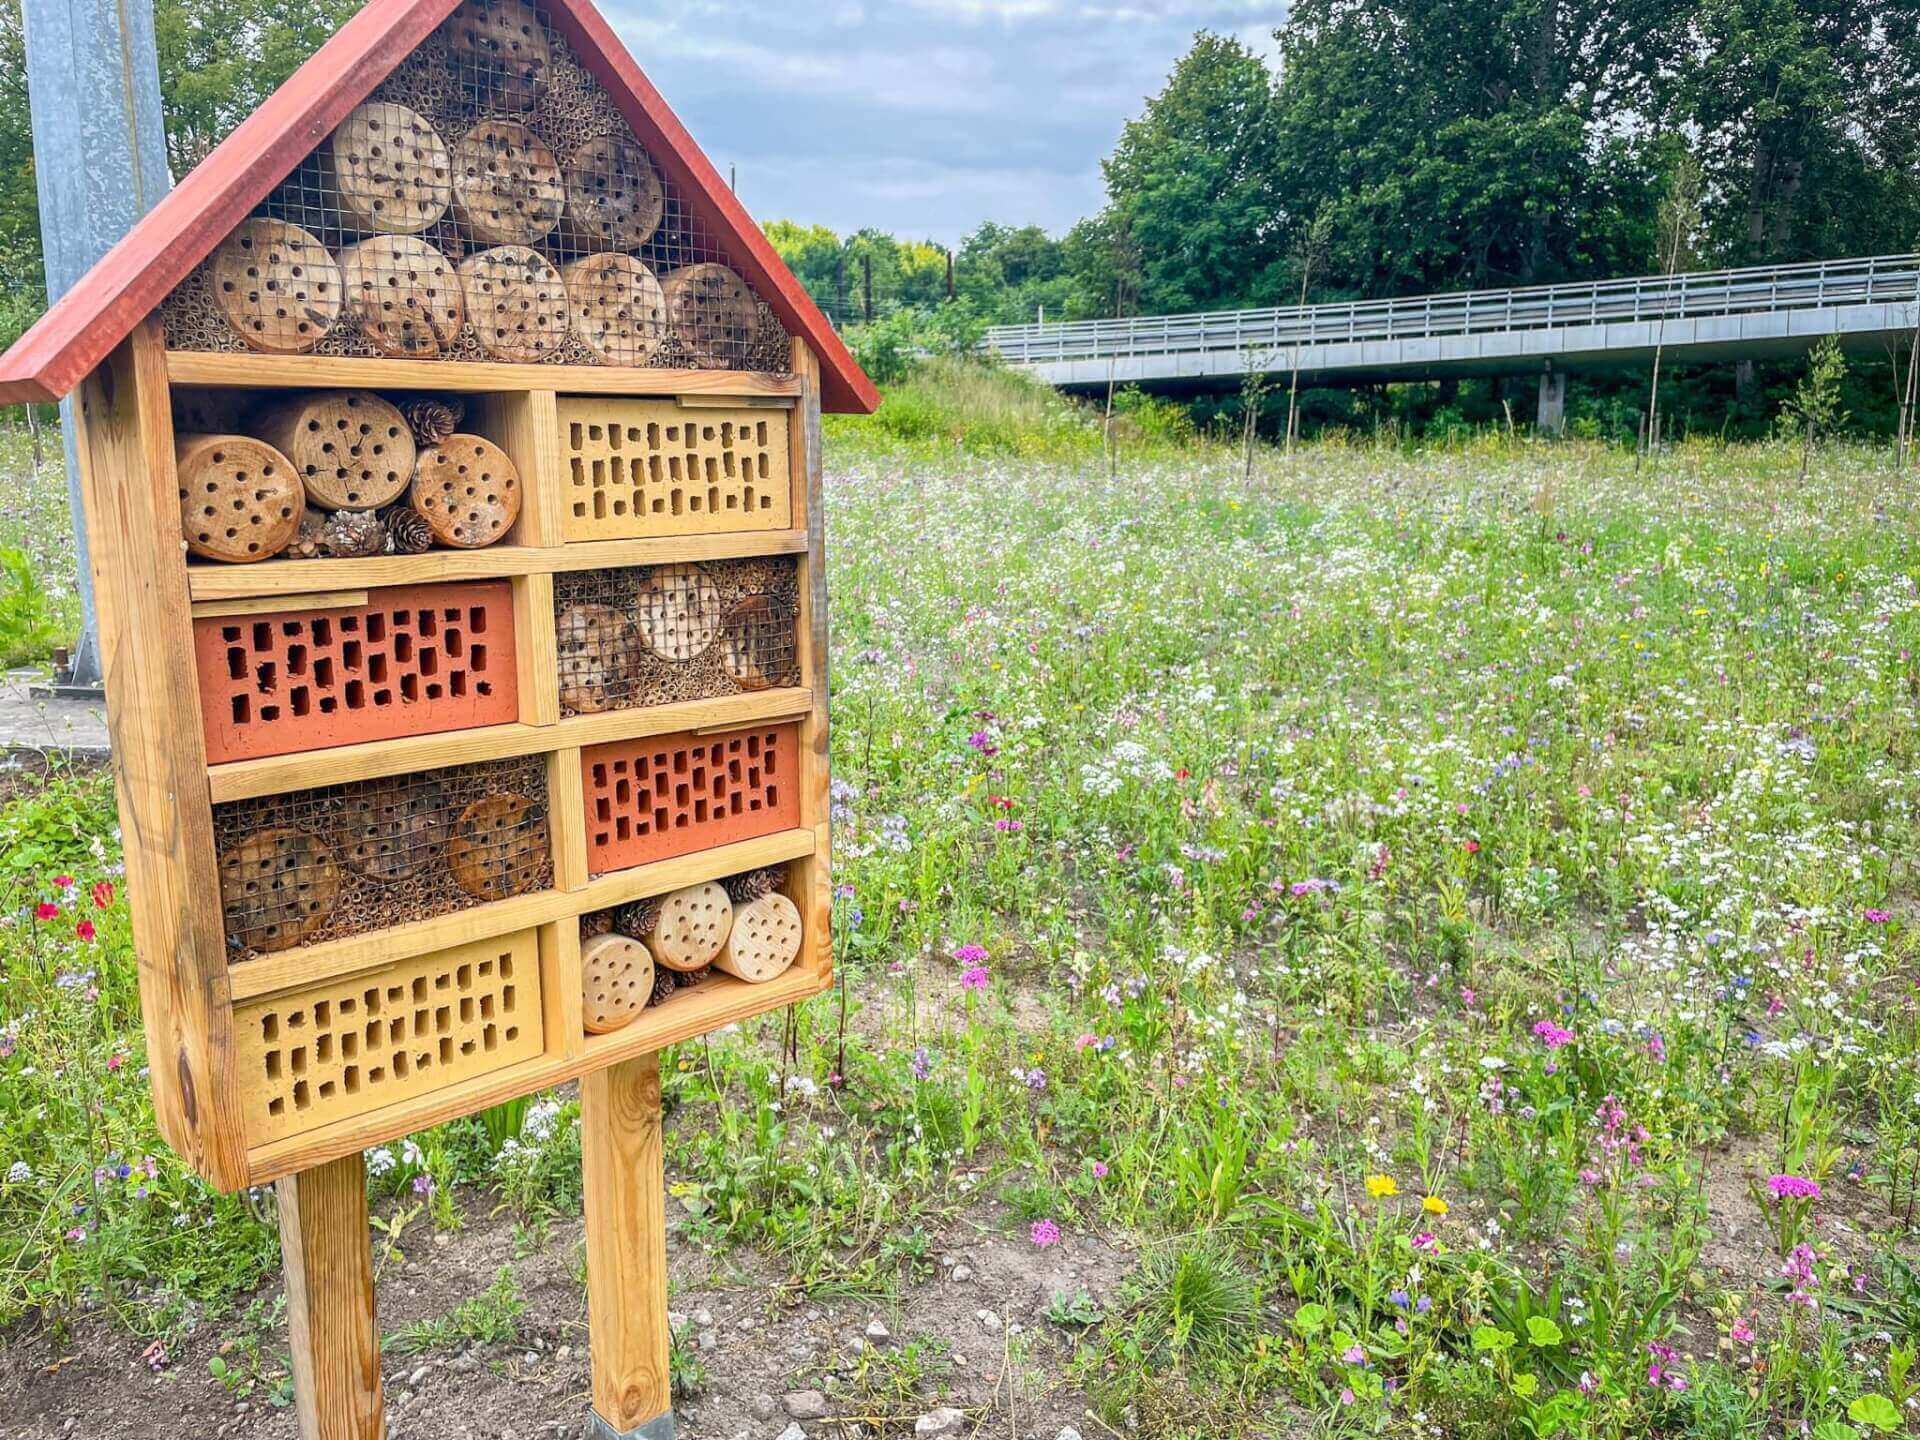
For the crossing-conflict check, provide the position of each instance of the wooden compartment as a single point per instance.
(356, 666)
(349, 859)
(667, 795)
(356, 1044)
(655, 634)
(635, 468)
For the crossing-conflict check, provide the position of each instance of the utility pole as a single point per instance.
(949, 276)
(866, 270)
(100, 163)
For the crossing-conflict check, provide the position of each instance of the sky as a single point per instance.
(919, 117)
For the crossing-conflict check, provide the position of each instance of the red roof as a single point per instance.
(161, 250)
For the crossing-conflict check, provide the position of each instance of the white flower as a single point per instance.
(1492, 1062)
(20, 1174)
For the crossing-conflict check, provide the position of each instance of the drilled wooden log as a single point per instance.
(615, 200)
(678, 610)
(763, 942)
(712, 312)
(619, 309)
(390, 829)
(616, 982)
(467, 491)
(597, 647)
(756, 643)
(496, 846)
(390, 171)
(277, 287)
(277, 886)
(240, 499)
(692, 926)
(506, 184)
(404, 294)
(351, 449)
(501, 52)
(517, 303)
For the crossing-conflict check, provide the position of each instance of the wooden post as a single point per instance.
(626, 1194)
(330, 1312)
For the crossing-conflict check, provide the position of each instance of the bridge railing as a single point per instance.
(1880, 279)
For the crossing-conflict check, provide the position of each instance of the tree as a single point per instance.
(1814, 407)
(1677, 228)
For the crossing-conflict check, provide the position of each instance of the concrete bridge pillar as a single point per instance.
(1552, 418)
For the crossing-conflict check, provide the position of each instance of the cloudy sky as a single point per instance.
(922, 117)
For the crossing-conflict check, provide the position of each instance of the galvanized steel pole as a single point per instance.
(100, 162)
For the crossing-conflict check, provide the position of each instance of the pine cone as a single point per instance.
(353, 535)
(433, 420)
(595, 922)
(306, 541)
(407, 532)
(746, 888)
(665, 982)
(635, 920)
(691, 977)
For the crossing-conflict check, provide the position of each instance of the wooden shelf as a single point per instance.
(223, 370)
(717, 1001)
(306, 964)
(309, 577)
(307, 769)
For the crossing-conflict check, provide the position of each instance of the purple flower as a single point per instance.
(1879, 917)
(1423, 1304)
(1793, 1187)
(921, 1064)
(1044, 1233)
(983, 742)
(971, 954)
(1399, 1299)
(423, 1185)
(1551, 1035)
(1036, 1079)
(974, 977)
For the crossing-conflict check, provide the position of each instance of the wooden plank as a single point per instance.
(216, 370)
(561, 989)
(524, 423)
(715, 1003)
(622, 1168)
(291, 969)
(535, 656)
(297, 577)
(279, 774)
(567, 811)
(813, 887)
(125, 445)
(268, 604)
(331, 1324)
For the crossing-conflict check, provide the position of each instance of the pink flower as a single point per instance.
(1879, 917)
(1100, 1170)
(1553, 1036)
(114, 1062)
(45, 910)
(65, 882)
(1467, 996)
(1793, 1187)
(974, 977)
(1044, 1233)
(84, 930)
(971, 954)
(1427, 1242)
(1742, 1332)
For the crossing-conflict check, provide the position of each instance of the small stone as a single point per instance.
(442, 1240)
(703, 1318)
(763, 1407)
(878, 1332)
(417, 1378)
(944, 1421)
(988, 1319)
(793, 1432)
(565, 1352)
(963, 1273)
(806, 1404)
(709, 1340)
(531, 1358)
(1067, 1432)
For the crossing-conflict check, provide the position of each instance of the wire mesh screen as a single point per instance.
(654, 634)
(346, 859)
(487, 202)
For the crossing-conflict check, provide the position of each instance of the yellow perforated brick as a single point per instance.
(652, 467)
(353, 1045)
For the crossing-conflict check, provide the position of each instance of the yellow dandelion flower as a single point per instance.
(1381, 1186)
(1434, 1205)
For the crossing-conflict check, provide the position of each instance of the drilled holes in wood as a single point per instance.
(467, 491)
(405, 296)
(277, 286)
(352, 449)
(616, 982)
(390, 170)
(516, 302)
(240, 499)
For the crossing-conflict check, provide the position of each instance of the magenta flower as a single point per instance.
(1427, 1242)
(1551, 1035)
(974, 977)
(1044, 1233)
(1100, 1170)
(1879, 917)
(971, 954)
(1793, 1187)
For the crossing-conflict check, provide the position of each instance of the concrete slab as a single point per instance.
(30, 723)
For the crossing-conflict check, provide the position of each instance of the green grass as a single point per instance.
(1408, 896)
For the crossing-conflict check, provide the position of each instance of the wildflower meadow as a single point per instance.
(1443, 917)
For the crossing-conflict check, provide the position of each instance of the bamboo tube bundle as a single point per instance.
(277, 286)
(240, 499)
(405, 296)
(506, 184)
(617, 981)
(390, 170)
(763, 941)
(502, 52)
(691, 927)
(351, 449)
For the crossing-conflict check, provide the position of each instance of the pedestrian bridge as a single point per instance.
(1544, 329)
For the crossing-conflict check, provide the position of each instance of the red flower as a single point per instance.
(84, 930)
(1473, 847)
(65, 882)
(103, 893)
(45, 910)
(1183, 773)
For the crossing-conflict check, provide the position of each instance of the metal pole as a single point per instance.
(100, 162)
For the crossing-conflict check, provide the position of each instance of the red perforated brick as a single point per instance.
(673, 794)
(414, 660)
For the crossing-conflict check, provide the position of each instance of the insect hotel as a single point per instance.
(450, 449)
